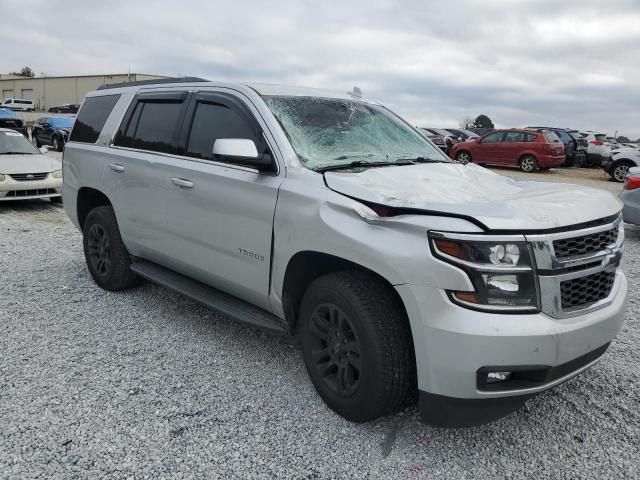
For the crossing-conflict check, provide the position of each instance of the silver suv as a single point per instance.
(326, 217)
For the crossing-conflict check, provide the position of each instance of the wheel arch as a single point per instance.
(307, 265)
(88, 199)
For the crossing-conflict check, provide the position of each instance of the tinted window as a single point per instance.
(493, 137)
(212, 121)
(92, 117)
(514, 137)
(551, 137)
(156, 126)
(600, 137)
(530, 137)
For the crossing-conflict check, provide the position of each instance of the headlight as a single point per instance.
(1, 177)
(501, 270)
(57, 174)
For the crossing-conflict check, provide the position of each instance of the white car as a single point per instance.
(620, 162)
(598, 148)
(25, 171)
(18, 104)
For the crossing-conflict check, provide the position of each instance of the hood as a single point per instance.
(498, 202)
(10, 164)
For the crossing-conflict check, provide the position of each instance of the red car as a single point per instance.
(528, 149)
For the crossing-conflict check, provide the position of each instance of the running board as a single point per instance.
(223, 303)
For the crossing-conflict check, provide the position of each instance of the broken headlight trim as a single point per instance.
(500, 268)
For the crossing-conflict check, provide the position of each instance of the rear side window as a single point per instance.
(151, 123)
(212, 121)
(600, 137)
(530, 137)
(551, 137)
(92, 117)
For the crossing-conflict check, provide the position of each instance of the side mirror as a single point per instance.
(44, 150)
(244, 151)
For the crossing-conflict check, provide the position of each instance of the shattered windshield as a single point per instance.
(329, 132)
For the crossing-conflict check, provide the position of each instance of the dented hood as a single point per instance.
(498, 202)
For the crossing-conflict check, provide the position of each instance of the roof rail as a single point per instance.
(106, 86)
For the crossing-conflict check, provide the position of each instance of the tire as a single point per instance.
(620, 171)
(528, 163)
(463, 157)
(107, 258)
(357, 345)
(57, 144)
(36, 142)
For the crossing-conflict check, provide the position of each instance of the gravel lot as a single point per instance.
(147, 384)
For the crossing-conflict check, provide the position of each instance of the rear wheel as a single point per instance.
(620, 171)
(357, 346)
(463, 157)
(106, 256)
(36, 142)
(528, 163)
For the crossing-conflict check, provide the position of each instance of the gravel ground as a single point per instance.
(147, 384)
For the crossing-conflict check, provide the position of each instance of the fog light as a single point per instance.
(496, 377)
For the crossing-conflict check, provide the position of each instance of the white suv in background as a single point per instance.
(598, 148)
(18, 104)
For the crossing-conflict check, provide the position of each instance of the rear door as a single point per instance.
(137, 167)
(489, 150)
(513, 145)
(220, 213)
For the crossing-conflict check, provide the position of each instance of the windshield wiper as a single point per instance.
(16, 153)
(424, 160)
(360, 163)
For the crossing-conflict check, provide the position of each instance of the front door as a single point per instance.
(220, 213)
(488, 151)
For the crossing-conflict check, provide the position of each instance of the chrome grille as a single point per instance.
(595, 242)
(28, 177)
(583, 291)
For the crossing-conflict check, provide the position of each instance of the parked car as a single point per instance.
(613, 143)
(573, 156)
(529, 149)
(18, 104)
(437, 137)
(460, 134)
(630, 196)
(631, 145)
(9, 119)
(598, 149)
(65, 108)
(619, 163)
(26, 172)
(481, 130)
(581, 146)
(52, 131)
(325, 217)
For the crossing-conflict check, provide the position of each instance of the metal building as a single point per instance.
(47, 92)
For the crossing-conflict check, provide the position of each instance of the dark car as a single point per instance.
(442, 138)
(529, 149)
(461, 135)
(574, 156)
(580, 159)
(52, 131)
(9, 119)
(65, 108)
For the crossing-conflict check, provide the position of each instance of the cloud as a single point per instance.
(572, 63)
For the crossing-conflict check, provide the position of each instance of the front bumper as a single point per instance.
(453, 343)
(11, 189)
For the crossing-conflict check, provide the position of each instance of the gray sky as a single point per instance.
(569, 63)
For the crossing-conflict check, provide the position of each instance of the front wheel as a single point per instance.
(107, 258)
(357, 346)
(463, 157)
(36, 142)
(528, 164)
(57, 144)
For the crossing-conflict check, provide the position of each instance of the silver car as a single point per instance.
(630, 196)
(25, 171)
(326, 217)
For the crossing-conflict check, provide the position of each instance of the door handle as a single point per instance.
(182, 183)
(116, 167)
